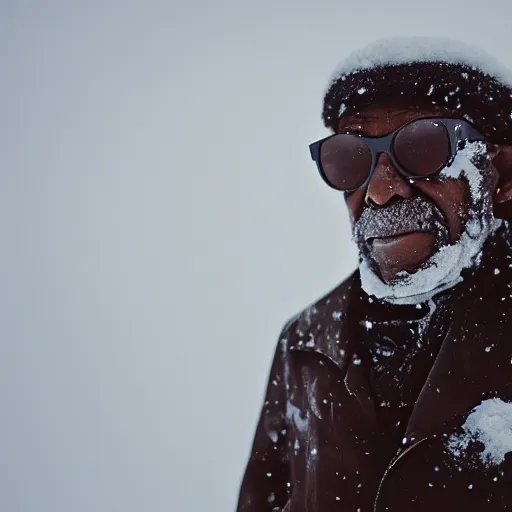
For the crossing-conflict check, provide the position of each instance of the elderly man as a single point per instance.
(394, 391)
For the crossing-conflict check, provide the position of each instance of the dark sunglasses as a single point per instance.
(419, 149)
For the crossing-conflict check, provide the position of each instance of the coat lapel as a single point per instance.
(330, 328)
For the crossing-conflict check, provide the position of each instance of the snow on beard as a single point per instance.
(443, 269)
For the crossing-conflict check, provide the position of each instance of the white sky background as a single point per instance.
(160, 220)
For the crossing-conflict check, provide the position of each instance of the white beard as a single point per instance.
(443, 269)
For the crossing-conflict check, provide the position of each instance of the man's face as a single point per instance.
(383, 214)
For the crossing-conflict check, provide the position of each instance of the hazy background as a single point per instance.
(160, 220)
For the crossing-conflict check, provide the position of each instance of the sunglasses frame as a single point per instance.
(459, 132)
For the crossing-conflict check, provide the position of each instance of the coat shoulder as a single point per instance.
(323, 318)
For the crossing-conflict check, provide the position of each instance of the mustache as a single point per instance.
(405, 216)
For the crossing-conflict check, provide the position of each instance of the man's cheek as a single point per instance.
(452, 198)
(355, 204)
(445, 191)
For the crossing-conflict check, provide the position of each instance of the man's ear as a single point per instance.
(503, 193)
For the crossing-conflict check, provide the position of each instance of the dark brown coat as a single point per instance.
(318, 447)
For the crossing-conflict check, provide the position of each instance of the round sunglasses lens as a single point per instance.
(346, 161)
(422, 147)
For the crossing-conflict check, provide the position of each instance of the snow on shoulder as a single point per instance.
(406, 50)
(491, 424)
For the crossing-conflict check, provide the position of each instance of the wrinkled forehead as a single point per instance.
(382, 118)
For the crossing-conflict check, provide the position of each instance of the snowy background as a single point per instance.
(160, 220)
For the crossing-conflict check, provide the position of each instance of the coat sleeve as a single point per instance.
(265, 484)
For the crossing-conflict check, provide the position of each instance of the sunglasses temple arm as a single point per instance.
(314, 151)
(470, 133)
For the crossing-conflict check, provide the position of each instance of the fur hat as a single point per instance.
(425, 72)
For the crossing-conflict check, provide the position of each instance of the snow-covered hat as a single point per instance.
(424, 71)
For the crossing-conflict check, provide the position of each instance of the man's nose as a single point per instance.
(387, 184)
